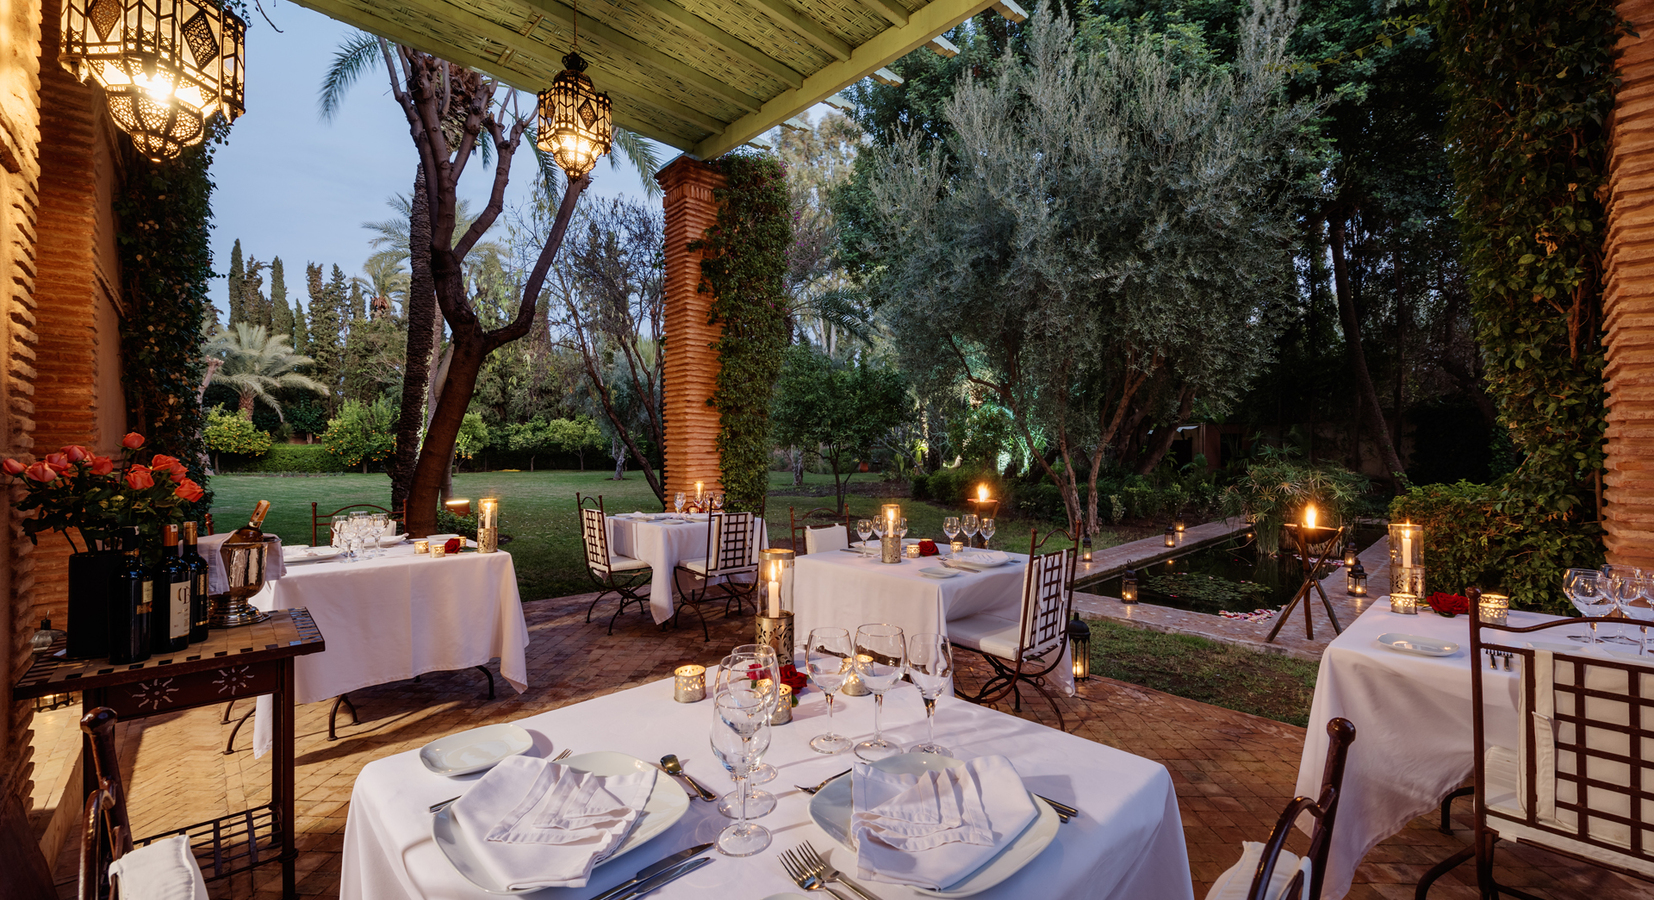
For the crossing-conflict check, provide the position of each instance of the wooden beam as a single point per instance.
(892, 13)
(805, 27)
(891, 44)
(725, 40)
(886, 77)
(563, 15)
(943, 47)
(1011, 11)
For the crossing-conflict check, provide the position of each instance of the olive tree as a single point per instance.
(1101, 238)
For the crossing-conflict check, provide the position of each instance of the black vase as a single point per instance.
(91, 576)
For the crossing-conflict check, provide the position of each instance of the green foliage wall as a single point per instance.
(283, 459)
(1530, 85)
(745, 267)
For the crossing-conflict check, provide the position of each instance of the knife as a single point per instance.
(648, 872)
(664, 878)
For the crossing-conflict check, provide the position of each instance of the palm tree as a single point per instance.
(255, 362)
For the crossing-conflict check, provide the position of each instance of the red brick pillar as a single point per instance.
(690, 365)
(1628, 300)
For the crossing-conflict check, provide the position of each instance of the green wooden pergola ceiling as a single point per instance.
(704, 76)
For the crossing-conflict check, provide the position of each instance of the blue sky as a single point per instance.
(293, 186)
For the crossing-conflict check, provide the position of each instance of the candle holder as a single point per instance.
(853, 687)
(438, 551)
(985, 507)
(910, 551)
(775, 601)
(890, 542)
(488, 525)
(1407, 581)
(1355, 580)
(1322, 542)
(689, 684)
(1171, 536)
(422, 546)
(1128, 586)
(955, 548)
(1406, 546)
(1493, 609)
(1404, 604)
(783, 706)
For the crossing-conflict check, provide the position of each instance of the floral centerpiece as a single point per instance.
(75, 489)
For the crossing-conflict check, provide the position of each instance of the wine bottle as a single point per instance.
(170, 626)
(253, 531)
(200, 607)
(130, 604)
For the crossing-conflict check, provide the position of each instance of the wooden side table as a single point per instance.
(230, 663)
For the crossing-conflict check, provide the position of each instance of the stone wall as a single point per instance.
(691, 365)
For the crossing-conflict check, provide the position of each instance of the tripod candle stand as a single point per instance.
(1328, 540)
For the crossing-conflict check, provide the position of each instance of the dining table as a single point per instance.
(1415, 740)
(1126, 843)
(850, 588)
(398, 615)
(663, 540)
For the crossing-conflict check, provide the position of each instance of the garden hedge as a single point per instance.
(307, 459)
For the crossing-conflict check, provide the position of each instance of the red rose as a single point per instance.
(928, 548)
(58, 462)
(102, 465)
(76, 454)
(791, 677)
(1449, 605)
(162, 461)
(132, 441)
(12, 467)
(453, 545)
(189, 490)
(40, 472)
(138, 478)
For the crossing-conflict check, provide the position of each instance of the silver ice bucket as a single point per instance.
(244, 571)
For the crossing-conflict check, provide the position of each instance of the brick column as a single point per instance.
(1628, 300)
(690, 365)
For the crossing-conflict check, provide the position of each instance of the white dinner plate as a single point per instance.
(308, 554)
(938, 572)
(983, 559)
(1417, 644)
(831, 807)
(474, 750)
(666, 805)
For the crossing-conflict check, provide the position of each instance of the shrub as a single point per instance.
(234, 433)
(919, 487)
(283, 459)
(362, 433)
(1276, 486)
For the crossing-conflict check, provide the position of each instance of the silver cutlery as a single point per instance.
(818, 867)
(824, 782)
(798, 872)
(649, 872)
(439, 807)
(664, 878)
(1064, 811)
(670, 765)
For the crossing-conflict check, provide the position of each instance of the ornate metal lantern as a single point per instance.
(1171, 536)
(1079, 647)
(166, 66)
(576, 122)
(1355, 580)
(1351, 554)
(1128, 587)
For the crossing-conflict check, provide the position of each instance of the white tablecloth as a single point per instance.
(1414, 737)
(663, 545)
(401, 615)
(1128, 844)
(849, 590)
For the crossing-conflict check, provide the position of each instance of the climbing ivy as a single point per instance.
(164, 211)
(1530, 85)
(743, 267)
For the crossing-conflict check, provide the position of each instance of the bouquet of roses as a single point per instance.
(1449, 605)
(77, 489)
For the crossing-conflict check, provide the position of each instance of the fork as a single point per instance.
(797, 871)
(824, 783)
(818, 867)
(439, 807)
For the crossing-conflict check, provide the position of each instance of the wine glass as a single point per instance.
(901, 526)
(827, 656)
(740, 735)
(1624, 587)
(864, 527)
(930, 665)
(950, 527)
(1641, 611)
(880, 661)
(377, 524)
(1590, 593)
(677, 503)
(717, 501)
(878, 527)
(754, 667)
(358, 535)
(341, 525)
(969, 525)
(986, 527)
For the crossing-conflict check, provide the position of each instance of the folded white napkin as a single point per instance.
(932, 829)
(985, 558)
(546, 825)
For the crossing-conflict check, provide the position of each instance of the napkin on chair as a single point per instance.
(932, 829)
(543, 824)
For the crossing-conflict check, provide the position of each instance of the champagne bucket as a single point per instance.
(244, 571)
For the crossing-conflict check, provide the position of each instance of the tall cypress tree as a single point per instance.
(254, 306)
(238, 274)
(301, 333)
(281, 317)
(326, 340)
(358, 303)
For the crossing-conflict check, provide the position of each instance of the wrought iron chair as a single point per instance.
(809, 538)
(1028, 649)
(613, 573)
(319, 519)
(107, 834)
(1300, 879)
(1577, 782)
(731, 551)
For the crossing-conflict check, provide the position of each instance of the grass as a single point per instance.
(1274, 687)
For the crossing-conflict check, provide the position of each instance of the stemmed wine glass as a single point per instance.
(878, 527)
(930, 665)
(740, 735)
(753, 667)
(381, 524)
(969, 525)
(677, 503)
(901, 527)
(1590, 593)
(987, 529)
(950, 527)
(1641, 610)
(827, 656)
(358, 535)
(880, 661)
(341, 529)
(864, 527)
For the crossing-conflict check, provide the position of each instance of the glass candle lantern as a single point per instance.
(1493, 609)
(1079, 646)
(890, 541)
(488, 525)
(1171, 536)
(689, 684)
(1085, 549)
(1128, 586)
(775, 575)
(1406, 546)
(1355, 580)
(1350, 555)
(1177, 523)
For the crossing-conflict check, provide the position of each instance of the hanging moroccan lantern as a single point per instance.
(576, 122)
(166, 66)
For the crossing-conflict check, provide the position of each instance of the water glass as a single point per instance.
(901, 526)
(880, 662)
(864, 527)
(950, 527)
(930, 666)
(1590, 593)
(677, 503)
(754, 667)
(970, 525)
(986, 527)
(1641, 611)
(827, 655)
(740, 736)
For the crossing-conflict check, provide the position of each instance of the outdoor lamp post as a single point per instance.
(165, 66)
(1128, 586)
(576, 122)
(1079, 646)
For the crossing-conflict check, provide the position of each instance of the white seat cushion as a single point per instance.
(618, 563)
(698, 566)
(830, 537)
(1237, 881)
(987, 633)
(164, 870)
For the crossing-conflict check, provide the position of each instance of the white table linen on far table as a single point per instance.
(848, 590)
(401, 615)
(1414, 738)
(663, 544)
(1127, 844)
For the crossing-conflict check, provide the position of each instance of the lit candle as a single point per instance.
(689, 683)
(982, 493)
(775, 590)
(697, 492)
(1309, 516)
(1406, 544)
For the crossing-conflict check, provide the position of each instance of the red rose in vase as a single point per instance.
(138, 478)
(132, 441)
(928, 548)
(189, 490)
(1449, 605)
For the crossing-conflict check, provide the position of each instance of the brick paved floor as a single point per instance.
(1234, 772)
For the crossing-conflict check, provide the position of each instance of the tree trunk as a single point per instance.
(421, 325)
(1358, 358)
(1168, 433)
(247, 401)
(617, 452)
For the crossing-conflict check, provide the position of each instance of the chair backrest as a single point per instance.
(729, 544)
(801, 528)
(1583, 766)
(1047, 591)
(594, 532)
(108, 833)
(1324, 809)
(319, 518)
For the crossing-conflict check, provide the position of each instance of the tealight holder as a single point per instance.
(422, 546)
(911, 551)
(689, 684)
(852, 686)
(783, 706)
(1404, 604)
(438, 551)
(1493, 609)
(956, 547)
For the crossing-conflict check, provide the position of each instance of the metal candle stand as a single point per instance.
(1328, 540)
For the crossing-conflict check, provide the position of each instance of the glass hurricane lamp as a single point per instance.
(576, 122)
(1355, 580)
(1171, 536)
(1128, 586)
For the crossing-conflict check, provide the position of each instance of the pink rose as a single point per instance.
(58, 462)
(102, 465)
(132, 441)
(76, 454)
(12, 467)
(40, 472)
(138, 478)
(189, 490)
